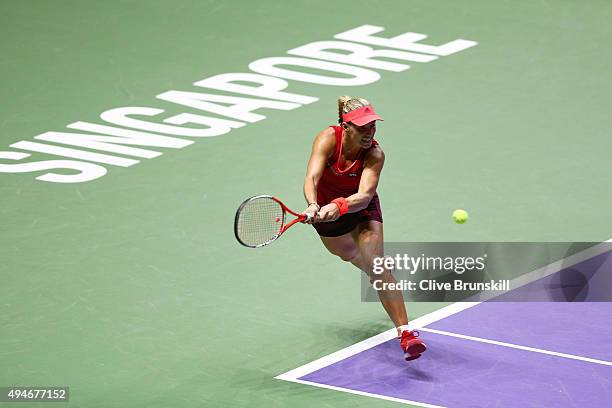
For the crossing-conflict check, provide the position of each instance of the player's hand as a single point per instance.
(328, 213)
(311, 213)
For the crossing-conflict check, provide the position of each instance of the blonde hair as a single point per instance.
(347, 104)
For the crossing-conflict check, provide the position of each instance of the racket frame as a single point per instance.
(300, 218)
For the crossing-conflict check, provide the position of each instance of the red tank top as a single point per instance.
(336, 182)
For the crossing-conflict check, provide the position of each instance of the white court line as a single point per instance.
(518, 346)
(371, 342)
(421, 322)
(325, 361)
(549, 269)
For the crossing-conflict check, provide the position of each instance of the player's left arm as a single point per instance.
(372, 168)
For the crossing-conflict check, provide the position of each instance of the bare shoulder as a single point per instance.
(325, 141)
(327, 135)
(375, 156)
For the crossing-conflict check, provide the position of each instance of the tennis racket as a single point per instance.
(260, 220)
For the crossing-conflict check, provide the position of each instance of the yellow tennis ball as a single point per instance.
(460, 216)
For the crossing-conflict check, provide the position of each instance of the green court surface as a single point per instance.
(131, 288)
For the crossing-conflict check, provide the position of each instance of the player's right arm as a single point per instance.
(322, 149)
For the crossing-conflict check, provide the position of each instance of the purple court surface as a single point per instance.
(490, 354)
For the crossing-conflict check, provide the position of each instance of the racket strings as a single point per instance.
(259, 221)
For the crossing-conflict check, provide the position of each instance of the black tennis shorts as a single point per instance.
(348, 222)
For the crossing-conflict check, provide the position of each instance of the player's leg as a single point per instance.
(370, 239)
(364, 243)
(345, 247)
(351, 247)
(363, 240)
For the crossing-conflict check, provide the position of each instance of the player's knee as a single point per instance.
(349, 256)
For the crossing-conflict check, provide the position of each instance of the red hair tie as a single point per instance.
(342, 204)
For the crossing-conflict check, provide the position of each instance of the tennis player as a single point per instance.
(340, 188)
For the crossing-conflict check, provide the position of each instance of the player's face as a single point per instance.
(364, 134)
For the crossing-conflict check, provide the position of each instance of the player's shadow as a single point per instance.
(572, 283)
(413, 372)
(354, 333)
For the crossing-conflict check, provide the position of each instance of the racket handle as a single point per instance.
(307, 217)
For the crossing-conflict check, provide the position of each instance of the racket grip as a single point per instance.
(307, 217)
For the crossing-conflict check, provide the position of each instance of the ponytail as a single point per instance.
(342, 100)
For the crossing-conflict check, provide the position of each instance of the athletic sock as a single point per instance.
(403, 328)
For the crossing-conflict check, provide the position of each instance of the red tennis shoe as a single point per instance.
(413, 346)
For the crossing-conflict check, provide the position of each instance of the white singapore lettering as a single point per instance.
(216, 127)
(358, 76)
(86, 171)
(241, 108)
(361, 55)
(270, 87)
(406, 41)
(120, 116)
(73, 153)
(96, 142)
(269, 80)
